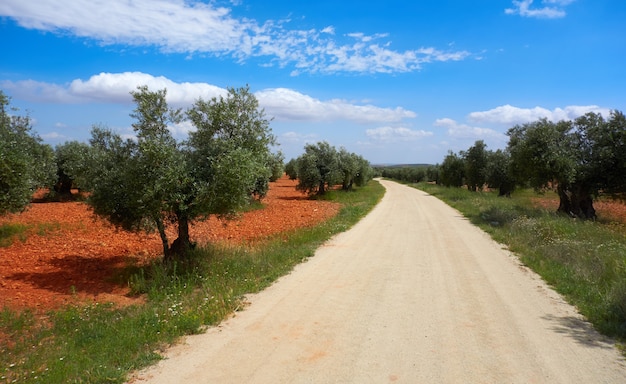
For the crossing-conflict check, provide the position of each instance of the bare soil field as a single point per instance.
(71, 256)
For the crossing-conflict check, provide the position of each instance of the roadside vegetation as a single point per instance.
(101, 344)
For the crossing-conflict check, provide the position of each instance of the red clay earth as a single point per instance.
(606, 210)
(71, 256)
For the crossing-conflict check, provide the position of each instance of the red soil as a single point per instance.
(606, 210)
(72, 256)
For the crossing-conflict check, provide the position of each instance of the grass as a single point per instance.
(101, 344)
(585, 261)
(10, 232)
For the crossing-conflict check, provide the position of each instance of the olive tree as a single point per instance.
(26, 163)
(348, 167)
(154, 180)
(318, 168)
(72, 160)
(498, 172)
(291, 169)
(475, 161)
(452, 170)
(364, 171)
(580, 158)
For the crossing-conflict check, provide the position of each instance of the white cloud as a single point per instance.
(463, 131)
(197, 27)
(292, 137)
(287, 104)
(550, 9)
(397, 134)
(116, 87)
(507, 114)
(39, 91)
(111, 88)
(280, 103)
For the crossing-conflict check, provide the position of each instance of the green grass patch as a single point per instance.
(102, 344)
(585, 261)
(9, 232)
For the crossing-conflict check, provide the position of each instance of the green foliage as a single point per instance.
(101, 343)
(291, 169)
(581, 158)
(498, 172)
(452, 170)
(322, 166)
(409, 173)
(318, 168)
(475, 161)
(73, 160)
(354, 169)
(147, 183)
(25, 162)
(276, 166)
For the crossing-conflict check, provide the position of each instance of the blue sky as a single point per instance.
(397, 81)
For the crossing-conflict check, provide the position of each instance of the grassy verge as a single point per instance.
(102, 344)
(584, 261)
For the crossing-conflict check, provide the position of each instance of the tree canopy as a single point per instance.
(580, 158)
(322, 166)
(25, 162)
(154, 180)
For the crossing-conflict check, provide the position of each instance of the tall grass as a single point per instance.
(583, 260)
(101, 344)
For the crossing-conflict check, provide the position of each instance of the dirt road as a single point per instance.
(412, 294)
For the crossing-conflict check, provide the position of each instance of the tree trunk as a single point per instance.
(182, 245)
(576, 201)
(322, 188)
(505, 189)
(63, 186)
(163, 235)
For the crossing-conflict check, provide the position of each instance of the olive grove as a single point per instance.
(322, 166)
(579, 159)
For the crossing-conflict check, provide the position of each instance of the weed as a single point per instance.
(8, 232)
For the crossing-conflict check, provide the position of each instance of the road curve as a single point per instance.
(412, 294)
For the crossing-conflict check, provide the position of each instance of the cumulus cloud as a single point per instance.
(463, 131)
(198, 27)
(287, 104)
(111, 88)
(550, 9)
(280, 103)
(507, 114)
(396, 134)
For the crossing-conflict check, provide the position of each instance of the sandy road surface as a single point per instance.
(412, 294)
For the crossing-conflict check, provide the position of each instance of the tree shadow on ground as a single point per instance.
(580, 331)
(78, 274)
